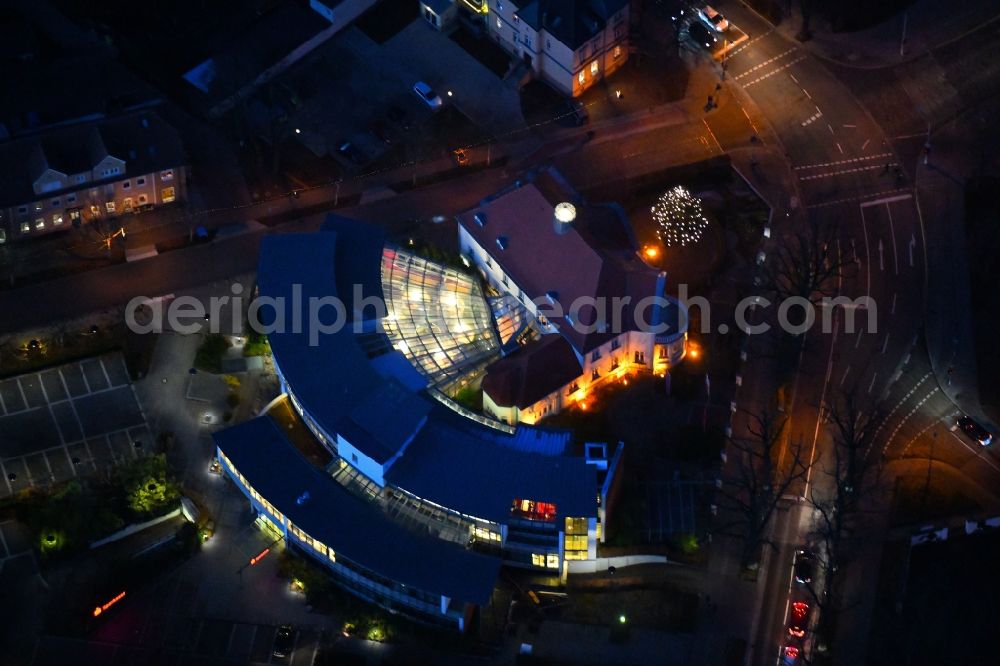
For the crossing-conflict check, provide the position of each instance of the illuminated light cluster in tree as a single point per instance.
(679, 217)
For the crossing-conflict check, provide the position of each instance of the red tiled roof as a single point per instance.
(583, 262)
(531, 373)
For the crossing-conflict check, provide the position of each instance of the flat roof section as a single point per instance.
(351, 527)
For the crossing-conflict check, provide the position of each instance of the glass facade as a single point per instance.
(439, 318)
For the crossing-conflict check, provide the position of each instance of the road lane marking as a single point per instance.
(763, 64)
(772, 72)
(852, 160)
(887, 200)
(829, 127)
(850, 126)
(837, 202)
(885, 344)
(831, 174)
(813, 118)
(892, 230)
(865, 144)
(807, 93)
(868, 256)
(893, 310)
(712, 134)
(907, 418)
(872, 385)
(839, 148)
(846, 370)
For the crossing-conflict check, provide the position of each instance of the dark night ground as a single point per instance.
(949, 604)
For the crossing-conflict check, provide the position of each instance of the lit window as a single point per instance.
(167, 194)
(74, 215)
(40, 223)
(581, 78)
(25, 227)
(499, 23)
(537, 560)
(618, 51)
(38, 206)
(143, 199)
(57, 219)
(552, 561)
(499, 6)
(167, 174)
(593, 68)
(3, 236)
(110, 206)
(516, 19)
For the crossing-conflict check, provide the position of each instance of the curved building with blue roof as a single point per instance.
(417, 501)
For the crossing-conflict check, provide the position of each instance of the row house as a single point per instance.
(69, 176)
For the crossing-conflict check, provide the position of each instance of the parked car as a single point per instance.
(805, 566)
(283, 641)
(798, 619)
(713, 19)
(427, 94)
(398, 116)
(975, 431)
(702, 35)
(349, 151)
(381, 132)
(790, 655)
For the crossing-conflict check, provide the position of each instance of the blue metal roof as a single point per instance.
(329, 373)
(353, 528)
(456, 466)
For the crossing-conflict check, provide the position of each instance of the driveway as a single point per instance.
(478, 93)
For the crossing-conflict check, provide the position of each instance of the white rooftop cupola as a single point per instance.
(563, 217)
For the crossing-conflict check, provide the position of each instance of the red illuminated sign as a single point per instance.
(100, 609)
(261, 555)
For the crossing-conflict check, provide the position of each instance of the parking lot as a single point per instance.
(66, 421)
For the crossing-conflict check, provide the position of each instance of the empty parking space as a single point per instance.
(54, 388)
(93, 372)
(263, 643)
(61, 422)
(10, 393)
(73, 377)
(31, 389)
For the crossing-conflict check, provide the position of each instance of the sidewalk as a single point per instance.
(940, 187)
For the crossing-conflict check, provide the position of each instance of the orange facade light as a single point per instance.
(100, 609)
(651, 252)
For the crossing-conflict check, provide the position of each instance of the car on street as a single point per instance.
(427, 94)
(702, 35)
(805, 566)
(975, 431)
(283, 641)
(713, 19)
(798, 619)
(351, 152)
(790, 655)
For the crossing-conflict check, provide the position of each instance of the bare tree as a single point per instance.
(807, 265)
(842, 504)
(757, 477)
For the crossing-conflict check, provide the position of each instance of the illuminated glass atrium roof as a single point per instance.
(439, 318)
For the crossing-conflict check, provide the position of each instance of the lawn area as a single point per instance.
(210, 353)
(638, 411)
(665, 608)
